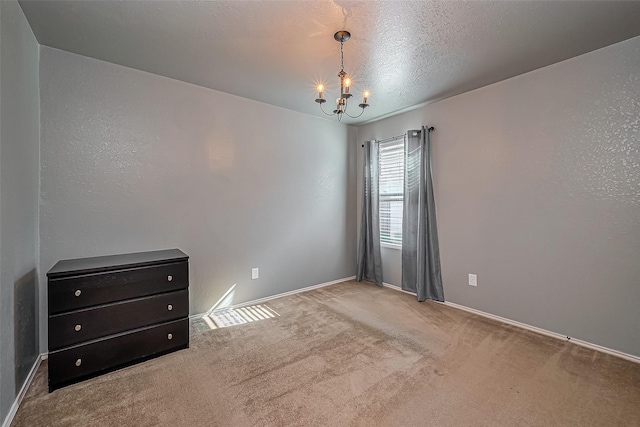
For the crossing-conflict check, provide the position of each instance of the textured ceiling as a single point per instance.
(404, 52)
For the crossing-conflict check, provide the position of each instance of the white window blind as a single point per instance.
(391, 191)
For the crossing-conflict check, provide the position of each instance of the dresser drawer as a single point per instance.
(72, 293)
(107, 354)
(90, 323)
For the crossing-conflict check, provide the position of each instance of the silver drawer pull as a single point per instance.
(169, 278)
(170, 336)
(78, 327)
(77, 293)
(169, 307)
(78, 362)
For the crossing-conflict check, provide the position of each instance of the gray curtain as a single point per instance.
(369, 257)
(420, 250)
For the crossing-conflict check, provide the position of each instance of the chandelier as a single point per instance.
(345, 85)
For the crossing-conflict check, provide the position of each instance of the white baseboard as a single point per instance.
(284, 294)
(551, 334)
(396, 288)
(23, 390)
(556, 335)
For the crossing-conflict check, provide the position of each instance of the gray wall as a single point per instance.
(19, 171)
(132, 162)
(537, 184)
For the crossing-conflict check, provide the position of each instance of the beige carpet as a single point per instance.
(354, 354)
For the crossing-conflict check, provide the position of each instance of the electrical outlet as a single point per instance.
(254, 273)
(473, 280)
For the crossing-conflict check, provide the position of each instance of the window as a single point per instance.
(391, 191)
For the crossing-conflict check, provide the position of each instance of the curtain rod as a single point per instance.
(430, 129)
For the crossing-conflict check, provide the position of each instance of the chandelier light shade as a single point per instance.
(345, 85)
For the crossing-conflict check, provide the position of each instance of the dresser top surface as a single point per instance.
(70, 267)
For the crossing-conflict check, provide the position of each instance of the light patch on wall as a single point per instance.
(327, 181)
(225, 301)
(605, 156)
(221, 155)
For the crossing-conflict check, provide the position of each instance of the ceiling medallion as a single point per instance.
(345, 85)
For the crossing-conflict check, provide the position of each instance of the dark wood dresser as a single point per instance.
(112, 311)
